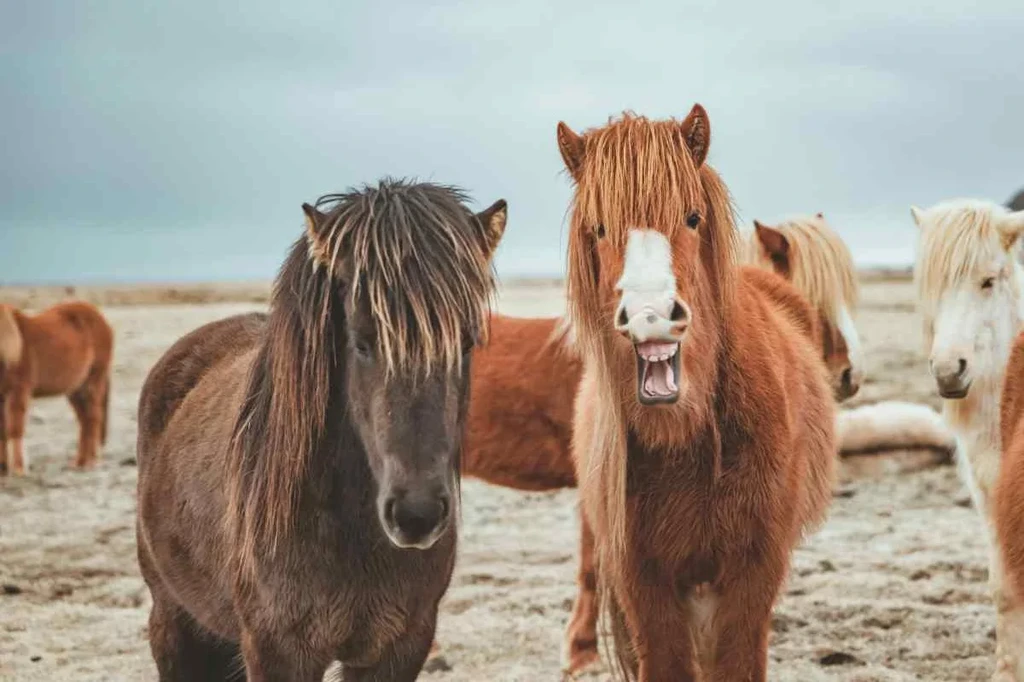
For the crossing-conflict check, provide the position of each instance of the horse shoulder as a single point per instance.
(185, 364)
(786, 298)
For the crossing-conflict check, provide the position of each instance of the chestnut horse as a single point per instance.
(298, 472)
(971, 297)
(66, 349)
(704, 424)
(525, 379)
(1008, 513)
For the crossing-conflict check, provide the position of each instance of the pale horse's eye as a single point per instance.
(988, 283)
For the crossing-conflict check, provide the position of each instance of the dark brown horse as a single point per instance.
(298, 472)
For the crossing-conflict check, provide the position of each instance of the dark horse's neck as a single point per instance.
(295, 447)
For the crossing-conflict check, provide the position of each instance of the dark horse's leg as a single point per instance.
(267, 661)
(403, 661)
(184, 653)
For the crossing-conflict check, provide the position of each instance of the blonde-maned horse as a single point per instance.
(806, 251)
(704, 425)
(67, 350)
(970, 289)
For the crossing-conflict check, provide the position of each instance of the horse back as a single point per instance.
(184, 365)
(522, 387)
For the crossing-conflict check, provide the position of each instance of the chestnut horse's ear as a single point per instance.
(696, 130)
(492, 220)
(917, 214)
(572, 147)
(774, 242)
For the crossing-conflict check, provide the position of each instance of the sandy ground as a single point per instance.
(892, 588)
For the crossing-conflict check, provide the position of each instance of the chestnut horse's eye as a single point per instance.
(693, 220)
(600, 231)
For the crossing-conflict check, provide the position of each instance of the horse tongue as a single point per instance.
(659, 379)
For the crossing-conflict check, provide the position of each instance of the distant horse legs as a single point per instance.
(581, 633)
(3, 436)
(402, 663)
(89, 403)
(15, 412)
(184, 654)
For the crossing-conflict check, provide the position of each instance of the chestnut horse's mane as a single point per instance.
(821, 267)
(11, 343)
(416, 256)
(636, 173)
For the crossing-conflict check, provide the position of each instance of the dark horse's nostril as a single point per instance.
(679, 313)
(389, 511)
(963, 367)
(445, 505)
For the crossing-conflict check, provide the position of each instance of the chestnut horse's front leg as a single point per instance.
(581, 633)
(15, 415)
(742, 619)
(267, 660)
(660, 626)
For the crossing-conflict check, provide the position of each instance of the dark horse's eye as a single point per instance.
(364, 348)
(693, 220)
(600, 231)
(468, 343)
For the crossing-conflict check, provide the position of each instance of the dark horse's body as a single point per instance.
(267, 564)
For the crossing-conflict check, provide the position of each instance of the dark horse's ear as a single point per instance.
(696, 129)
(492, 220)
(318, 248)
(774, 242)
(572, 147)
(821, 215)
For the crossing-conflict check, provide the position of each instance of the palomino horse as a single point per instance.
(704, 425)
(809, 253)
(298, 472)
(65, 350)
(970, 289)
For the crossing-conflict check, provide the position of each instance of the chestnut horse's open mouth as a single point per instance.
(657, 372)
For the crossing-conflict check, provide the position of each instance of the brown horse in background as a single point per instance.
(704, 425)
(298, 472)
(66, 349)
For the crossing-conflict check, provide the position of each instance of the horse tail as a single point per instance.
(11, 343)
(893, 425)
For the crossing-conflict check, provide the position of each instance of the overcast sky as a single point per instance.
(177, 141)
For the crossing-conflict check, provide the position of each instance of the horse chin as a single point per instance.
(421, 544)
(653, 393)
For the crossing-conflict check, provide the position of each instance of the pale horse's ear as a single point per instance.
(917, 214)
(774, 243)
(492, 220)
(1010, 228)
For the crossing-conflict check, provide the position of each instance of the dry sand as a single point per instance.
(892, 588)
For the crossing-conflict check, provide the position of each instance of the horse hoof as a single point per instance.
(579, 658)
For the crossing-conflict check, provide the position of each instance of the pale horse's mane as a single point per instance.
(960, 238)
(821, 267)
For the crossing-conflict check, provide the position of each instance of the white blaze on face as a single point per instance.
(852, 339)
(648, 286)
